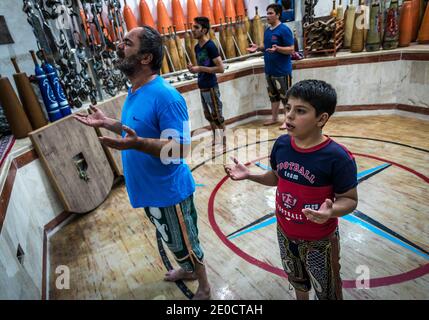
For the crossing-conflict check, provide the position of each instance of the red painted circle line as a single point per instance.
(348, 284)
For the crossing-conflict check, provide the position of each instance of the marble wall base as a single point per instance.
(33, 203)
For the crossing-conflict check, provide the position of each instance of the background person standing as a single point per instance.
(278, 47)
(209, 63)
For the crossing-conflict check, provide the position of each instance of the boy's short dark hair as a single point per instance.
(276, 7)
(318, 93)
(204, 22)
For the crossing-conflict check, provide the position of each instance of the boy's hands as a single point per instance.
(95, 119)
(322, 215)
(238, 171)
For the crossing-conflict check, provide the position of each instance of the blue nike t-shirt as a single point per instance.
(278, 64)
(156, 110)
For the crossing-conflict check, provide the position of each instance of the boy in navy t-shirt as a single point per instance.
(209, 63)
(316, 181)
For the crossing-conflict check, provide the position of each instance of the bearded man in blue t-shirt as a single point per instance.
(278, 47)
(155, 139)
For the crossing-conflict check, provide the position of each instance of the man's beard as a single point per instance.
(128, 65)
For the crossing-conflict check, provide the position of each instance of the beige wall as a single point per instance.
(33, 203)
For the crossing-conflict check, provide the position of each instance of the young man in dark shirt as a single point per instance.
(209, 63)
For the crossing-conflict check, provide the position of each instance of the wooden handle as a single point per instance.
(44, 54)
(33, 56)
(15, 65)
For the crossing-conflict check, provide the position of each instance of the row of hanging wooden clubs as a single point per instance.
(376, 27)
(235, 31)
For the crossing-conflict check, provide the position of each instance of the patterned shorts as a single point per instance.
(212, 106)
(313, 263)
(178, 228)
(277, 87)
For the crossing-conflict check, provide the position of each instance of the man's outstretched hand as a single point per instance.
(127, 142)
(95, 119)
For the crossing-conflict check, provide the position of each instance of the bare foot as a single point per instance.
(179, 274)
(269, 123)
(202, 294)
(283, 126)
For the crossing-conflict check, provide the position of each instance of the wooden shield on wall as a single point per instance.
(113, 109)
(75, 162)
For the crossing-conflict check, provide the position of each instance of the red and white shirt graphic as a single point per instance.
(306, 178)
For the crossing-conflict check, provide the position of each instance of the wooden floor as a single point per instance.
(113, 252)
